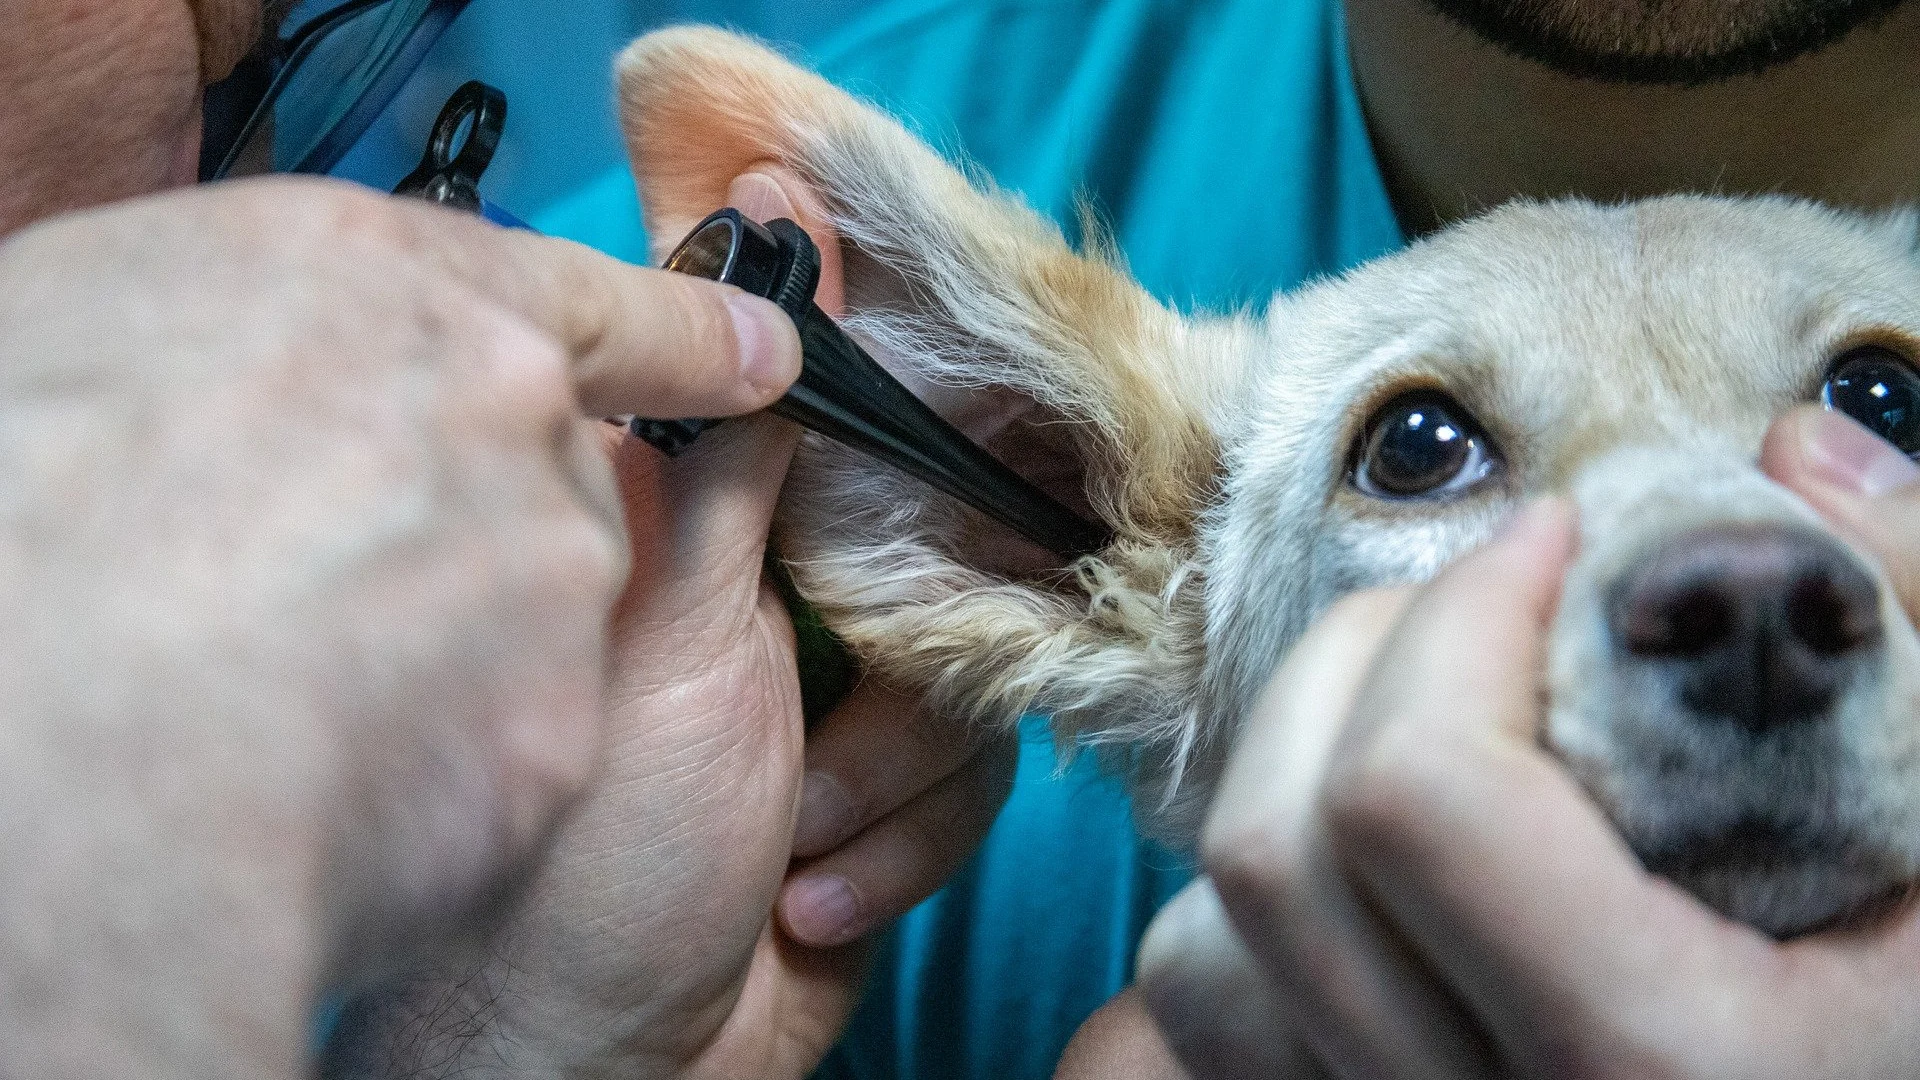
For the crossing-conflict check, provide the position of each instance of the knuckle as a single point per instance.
(1375, 805)
(538, 368)
(580, 562)
(563, 764)
(1266, 849)
(549, 763)
(1188, 930)
(598, 496)
(1161, 956)
(524, 371)
(1252, 858)
(602, 561)
(863, 804)
(311, 212)
(551, 596)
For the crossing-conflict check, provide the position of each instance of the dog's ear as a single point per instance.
(953, 285)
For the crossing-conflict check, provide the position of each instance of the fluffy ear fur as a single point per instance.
(956, 286)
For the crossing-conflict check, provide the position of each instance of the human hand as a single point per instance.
(1860, 483)
(307, 550)
(648, 943)
(1403, 883)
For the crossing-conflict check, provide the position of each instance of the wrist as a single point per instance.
(498, 1020)
(464, 1023)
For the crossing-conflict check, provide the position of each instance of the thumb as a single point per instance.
(725, 489)
(699, 526)
(1859, 482)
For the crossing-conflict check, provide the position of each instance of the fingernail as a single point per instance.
(825, 810)
(1849, 456)
(821, 909)
(769, 346)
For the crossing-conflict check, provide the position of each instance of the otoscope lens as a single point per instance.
(707, 252)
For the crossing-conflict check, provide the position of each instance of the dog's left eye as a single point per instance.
(1875, 386)
(1421, 444)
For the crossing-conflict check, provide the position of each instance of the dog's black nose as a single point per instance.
(1759, 624)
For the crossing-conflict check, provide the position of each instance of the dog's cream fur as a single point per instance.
(1631, 355)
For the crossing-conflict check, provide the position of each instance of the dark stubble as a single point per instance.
(1663, 41)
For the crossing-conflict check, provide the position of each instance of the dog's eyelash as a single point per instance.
(1878, 388)
(1421, 445)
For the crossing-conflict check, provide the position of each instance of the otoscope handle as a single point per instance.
(847, 396)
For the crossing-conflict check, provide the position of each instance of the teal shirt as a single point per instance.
(1222, 140)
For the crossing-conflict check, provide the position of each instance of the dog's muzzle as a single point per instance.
(1758, 625)
(1724, 682)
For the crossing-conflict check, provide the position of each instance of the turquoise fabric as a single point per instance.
(1222, 140)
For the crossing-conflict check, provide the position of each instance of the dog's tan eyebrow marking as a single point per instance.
(1887, 336)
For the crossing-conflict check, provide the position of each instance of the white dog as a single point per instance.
(1734, 685)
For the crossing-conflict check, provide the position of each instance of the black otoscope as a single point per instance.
(846, 396)
(841, 393)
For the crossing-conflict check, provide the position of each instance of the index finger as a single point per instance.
(641, 341)
(1356, 997)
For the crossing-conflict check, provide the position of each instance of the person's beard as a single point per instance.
(1662, 41)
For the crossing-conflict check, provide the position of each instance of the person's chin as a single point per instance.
(1680, 42)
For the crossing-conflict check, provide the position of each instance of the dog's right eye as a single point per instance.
(1875, 386)
(1421, 444)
